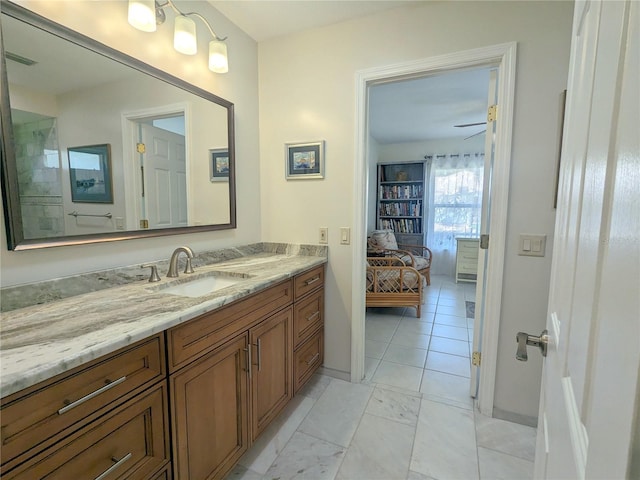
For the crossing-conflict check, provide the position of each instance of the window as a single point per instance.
(454, 205)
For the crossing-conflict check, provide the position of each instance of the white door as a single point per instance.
(590, 375)
(481, 285)
(165, 181)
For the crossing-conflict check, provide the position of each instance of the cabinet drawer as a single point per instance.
(468, 257)
(307, 359)
(308, 317)
(41, 415)
(308, 281)
(203, 334)
(468, 268)
(129, 442)
(469, 246)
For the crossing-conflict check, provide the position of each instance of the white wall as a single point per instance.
(307, 92)
(106, 21)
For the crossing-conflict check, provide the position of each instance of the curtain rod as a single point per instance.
(431, 157)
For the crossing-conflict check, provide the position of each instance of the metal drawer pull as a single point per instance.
(313, 280)
(313, 359)
(91, 395)
(114, 466)
(313, 315)
(259, 356)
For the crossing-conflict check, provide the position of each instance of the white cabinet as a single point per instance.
(467, 259)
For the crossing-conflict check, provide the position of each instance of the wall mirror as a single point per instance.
(61, 90)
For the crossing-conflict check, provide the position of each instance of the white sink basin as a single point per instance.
(201, 286)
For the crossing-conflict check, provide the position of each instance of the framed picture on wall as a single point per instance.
(90, 174)
(219, 164)
(304, 160)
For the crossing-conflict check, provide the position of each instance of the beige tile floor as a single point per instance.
(411, 419)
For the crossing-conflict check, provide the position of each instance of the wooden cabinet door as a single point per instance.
(271, 369)
(210, 412)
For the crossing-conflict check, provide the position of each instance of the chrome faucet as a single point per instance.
(173, 263)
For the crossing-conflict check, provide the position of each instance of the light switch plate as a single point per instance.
(345, 235)
(532, 245)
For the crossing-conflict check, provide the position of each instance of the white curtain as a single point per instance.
(455, 201)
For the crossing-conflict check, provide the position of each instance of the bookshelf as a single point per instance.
(400, 202)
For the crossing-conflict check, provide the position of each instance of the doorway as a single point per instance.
(156, 148)
(431, 130)
(502, 57)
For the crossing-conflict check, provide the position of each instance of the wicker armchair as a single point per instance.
(383, 243)
(390, 283)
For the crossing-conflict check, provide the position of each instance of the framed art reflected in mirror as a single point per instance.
(219, 161)
(90, 174)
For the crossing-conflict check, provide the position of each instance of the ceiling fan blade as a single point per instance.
(476, 134)
(471, 124)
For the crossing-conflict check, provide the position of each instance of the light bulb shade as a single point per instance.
(218, 61)
(184, 36)
(142, 15)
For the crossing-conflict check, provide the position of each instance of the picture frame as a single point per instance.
(304, 161)
(90, 173)
(219, 164)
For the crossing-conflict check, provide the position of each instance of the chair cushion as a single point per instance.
(384, 239)
(421, 262)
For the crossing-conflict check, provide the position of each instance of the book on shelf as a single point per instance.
(400, 191)
(401, 209)
(401, 225)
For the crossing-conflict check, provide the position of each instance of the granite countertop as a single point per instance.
(40, 341)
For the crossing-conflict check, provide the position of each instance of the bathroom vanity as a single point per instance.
(181, 391)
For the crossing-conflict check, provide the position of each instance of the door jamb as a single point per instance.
(504, 57)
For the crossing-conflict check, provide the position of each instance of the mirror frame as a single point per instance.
(8, 170)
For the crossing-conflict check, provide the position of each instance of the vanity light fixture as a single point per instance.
(145, 15)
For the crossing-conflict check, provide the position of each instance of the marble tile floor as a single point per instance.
(412, 417)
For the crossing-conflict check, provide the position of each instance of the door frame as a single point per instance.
(131, 172)
(502, 56)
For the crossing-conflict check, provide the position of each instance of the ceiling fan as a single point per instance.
(472, 125)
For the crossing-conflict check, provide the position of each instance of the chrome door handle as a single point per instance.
(525, 339)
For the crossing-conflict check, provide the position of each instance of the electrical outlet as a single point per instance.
(324, 235)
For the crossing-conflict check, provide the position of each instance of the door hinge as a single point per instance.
(492, 113)
(141, 148)
(484, 241)
(144, 223)
(476, 359)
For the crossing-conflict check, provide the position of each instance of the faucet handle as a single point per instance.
(154, 277)
(188, 268)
